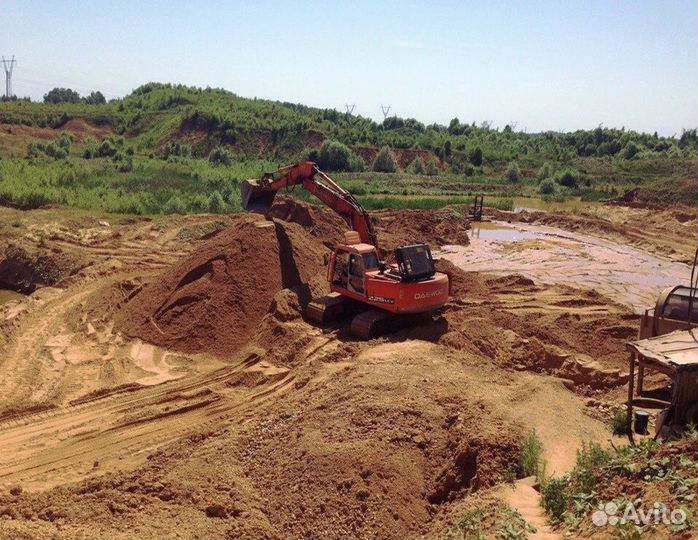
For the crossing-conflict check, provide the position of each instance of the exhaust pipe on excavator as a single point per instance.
(254, 197)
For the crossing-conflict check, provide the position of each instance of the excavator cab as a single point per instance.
(415, 263)
(348, 266)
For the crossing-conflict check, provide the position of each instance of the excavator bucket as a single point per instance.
(254, 197)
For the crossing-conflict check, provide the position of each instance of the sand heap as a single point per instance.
(394, 227)
(214, 299)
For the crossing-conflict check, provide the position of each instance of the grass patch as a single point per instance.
(658, 472)
(531, 454)
(514, 526)
(619, 424)
(498, 520)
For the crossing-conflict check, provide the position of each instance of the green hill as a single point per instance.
(171, 143)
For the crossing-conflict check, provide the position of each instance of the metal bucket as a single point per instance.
(254, 197)
(642, 419)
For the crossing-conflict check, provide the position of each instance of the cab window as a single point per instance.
(341, 268)
(370, 260)
(356, 266)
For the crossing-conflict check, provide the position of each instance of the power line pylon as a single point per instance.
(350, 108)
(386, 111)
(9, 66)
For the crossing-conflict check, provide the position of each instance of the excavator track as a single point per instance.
(374, 323)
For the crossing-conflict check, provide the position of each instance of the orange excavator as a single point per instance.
(388, 296)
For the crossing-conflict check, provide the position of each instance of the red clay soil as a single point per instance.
(394, 227)
(213, 300)
(261, 142)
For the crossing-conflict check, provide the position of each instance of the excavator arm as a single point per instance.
(259, 194)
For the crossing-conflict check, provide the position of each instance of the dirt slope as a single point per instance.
(213, 300)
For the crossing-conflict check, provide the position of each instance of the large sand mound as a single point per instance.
(214, 299)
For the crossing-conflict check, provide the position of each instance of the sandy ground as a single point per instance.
(295, 430)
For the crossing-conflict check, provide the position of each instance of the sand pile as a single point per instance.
(435, 227)
(375, 448)
(394, 227)
(214, 299)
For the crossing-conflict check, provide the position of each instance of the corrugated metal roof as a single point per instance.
(677, 349)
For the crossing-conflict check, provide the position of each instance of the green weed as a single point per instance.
(619, 424)
(530, 454)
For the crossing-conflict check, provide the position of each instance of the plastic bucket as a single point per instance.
(642, 419)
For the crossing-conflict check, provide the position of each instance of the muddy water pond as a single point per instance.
(555, 256)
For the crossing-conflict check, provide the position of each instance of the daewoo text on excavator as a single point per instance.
(393, 295)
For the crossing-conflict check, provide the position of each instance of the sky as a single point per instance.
(537, 64)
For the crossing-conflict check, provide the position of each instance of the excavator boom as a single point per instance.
(258, 195)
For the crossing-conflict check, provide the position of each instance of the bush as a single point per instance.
(107, 148)
(90, 149)
(588, 457)
(32, 151)
(417, 166)
(198, 203)
(55, 151)
(554, 496)
(64, 141)
(476, 156)
(385, 161)
(430, 167)
(95, 98)
(545, 171)
(176, 148)
(336, 156)
(220, 156)
(619, 423)
(174, 206)
(62, 95)
(568, 178)
(546, 187)
(513, 173)
(216, 204)
(126, 164)
(333, 156)
(630, 150)
(356, 163)
(530, 454)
